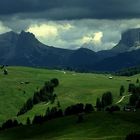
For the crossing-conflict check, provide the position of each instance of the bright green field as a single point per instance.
(73, 88)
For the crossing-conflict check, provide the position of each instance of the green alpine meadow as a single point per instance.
(22, 82)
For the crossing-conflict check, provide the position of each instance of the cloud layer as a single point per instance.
(96, 24)
(71, 9)
(94, 34)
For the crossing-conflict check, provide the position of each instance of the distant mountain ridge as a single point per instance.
(25, 50)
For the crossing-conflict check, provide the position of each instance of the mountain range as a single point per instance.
(24, 49)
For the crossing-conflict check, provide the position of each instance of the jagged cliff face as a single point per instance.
(130, 40)
(131, 37)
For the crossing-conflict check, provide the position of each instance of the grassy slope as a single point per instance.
(98, 125)
(73, 88)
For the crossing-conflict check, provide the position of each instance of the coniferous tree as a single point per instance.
(137, 81)
(36, 98)
(98, 104)
(133, 99)
(107, 99)
(58, 104)
(5, 72)
(55, 82)
(131, 88)
(28, 122)
(37, 120)
(122, 90)
(88, 108)
(9, 124)
(29, 104)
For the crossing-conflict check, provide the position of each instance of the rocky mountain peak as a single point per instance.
(26, 36)
(130, 40)
(26, 39)
(131, 37)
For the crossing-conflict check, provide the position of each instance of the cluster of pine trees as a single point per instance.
(135, 97)
(50, 114)
(45, 94)
(10, 124)
(106, 100)
(78, 108)
(57, 112)
(105, 103)
(54, 112)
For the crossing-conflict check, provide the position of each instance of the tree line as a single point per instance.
(45, 94)
(128, 71)
(54, 112)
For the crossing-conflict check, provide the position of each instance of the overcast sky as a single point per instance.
(71, 23)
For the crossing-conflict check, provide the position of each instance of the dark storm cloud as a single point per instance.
(71, 9)
(86, 17)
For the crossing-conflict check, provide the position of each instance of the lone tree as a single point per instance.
(55, 82)
(137, 81)
(5, 72)
(122, 90)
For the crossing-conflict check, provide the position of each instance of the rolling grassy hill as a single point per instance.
(73, 88)
(96, 126)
